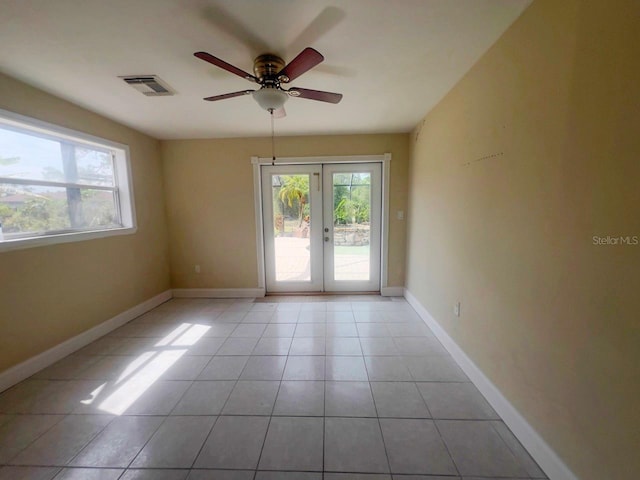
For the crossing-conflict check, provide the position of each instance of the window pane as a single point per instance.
(30, 157)
(94, 167)
(98, 209)
(342, 179)
(32, 209)
(361, 179)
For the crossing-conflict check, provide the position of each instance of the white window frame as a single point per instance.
(122, 173)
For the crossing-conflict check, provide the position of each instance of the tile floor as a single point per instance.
(278, 388)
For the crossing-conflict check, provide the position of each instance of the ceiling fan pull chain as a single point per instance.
(273, 148)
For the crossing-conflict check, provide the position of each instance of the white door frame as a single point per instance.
(385, 159)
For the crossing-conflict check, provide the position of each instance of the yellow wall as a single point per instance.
(51, 293)
(534, 152)
(210, 202)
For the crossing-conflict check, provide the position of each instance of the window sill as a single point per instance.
(8, 245)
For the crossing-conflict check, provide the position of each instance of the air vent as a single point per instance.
(149, 85)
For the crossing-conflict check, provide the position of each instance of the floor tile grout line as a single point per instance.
(140, 450)
(206, 438)
(511, 450)
(102, 379)
(324, 425)
(424, 400)
(35, 439)
(274, 406)
(264, 441)
(280, 415)
(435, 424)
(183, 394)
(195, 459)
(93, 437)
(384, 444)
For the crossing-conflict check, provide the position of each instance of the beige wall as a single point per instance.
(210, 202)
(534, 152)
(49, 294)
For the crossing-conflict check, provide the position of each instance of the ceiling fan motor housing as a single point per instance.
(267, 66)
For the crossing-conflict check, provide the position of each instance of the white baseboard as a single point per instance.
(542, 453)
(218, 292)
(392, 291)
(24, 370)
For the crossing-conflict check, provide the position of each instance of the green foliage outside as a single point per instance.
(295, 190)
(351, 198)
(47, 209)
(352, 210)
(42, 214)
(35, 215)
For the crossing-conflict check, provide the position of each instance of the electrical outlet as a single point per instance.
(197, 268)
(456, 309)
(400, 215)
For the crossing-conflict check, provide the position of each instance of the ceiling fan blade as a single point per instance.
(319, 95)
(305, 61)
(232, 25)
(228, 95)
(279, 113)
(207, 57)
(325, 21)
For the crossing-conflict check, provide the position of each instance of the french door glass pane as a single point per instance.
(291, 227)
(351, 225)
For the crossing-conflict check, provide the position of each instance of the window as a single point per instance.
(58, 185)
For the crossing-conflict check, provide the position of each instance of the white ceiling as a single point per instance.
(392, 59)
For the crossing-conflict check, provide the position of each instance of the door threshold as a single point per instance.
(318, 294)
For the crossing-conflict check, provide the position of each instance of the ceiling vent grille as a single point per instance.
(149, 85)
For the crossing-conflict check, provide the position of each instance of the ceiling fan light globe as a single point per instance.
(270, 98)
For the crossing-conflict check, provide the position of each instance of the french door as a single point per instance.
(322, 227)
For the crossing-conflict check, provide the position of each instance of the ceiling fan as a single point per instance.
(270, 72)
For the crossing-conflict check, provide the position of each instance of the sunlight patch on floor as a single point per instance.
(147, 368)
